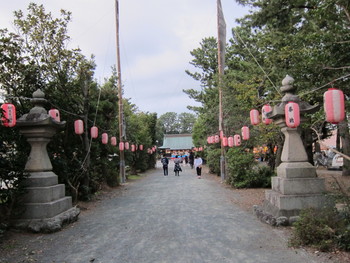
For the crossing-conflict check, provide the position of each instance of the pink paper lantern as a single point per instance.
(224, 141)
(105, 138)
(245, 133)
(237, 140)
(292, 114)
(254, 117)
(230, 141)
(121, 146)
(55, 114)
(265, 109)
(126, 145)
(141, 147)
(334, 105)
(133, 147)
(221, 135)
(208, 139)
(79, 127)
(216, 139)
(113, 141)
(94, 132)
(200, 149)
(8, 118)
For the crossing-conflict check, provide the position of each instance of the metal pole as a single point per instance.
(120, 99)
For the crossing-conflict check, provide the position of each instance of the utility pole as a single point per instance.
(221, 65)
(120, 100)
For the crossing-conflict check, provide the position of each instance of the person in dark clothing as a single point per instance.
(165, 163)
(191, 159)
(177, 167)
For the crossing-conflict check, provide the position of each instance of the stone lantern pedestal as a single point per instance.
(46, 208)
(296, 185)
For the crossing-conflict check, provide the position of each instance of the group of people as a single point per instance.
(194, 161)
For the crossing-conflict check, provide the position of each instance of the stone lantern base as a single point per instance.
(46, 208)
(296, 187)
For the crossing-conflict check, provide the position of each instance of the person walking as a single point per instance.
(198, 162)
(191, 159)
(165, 163)
(177, 167)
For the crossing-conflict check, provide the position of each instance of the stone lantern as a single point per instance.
(296, 185)
(46, 208)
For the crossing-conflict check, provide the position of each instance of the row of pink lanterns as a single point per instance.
(232, 140)
(334, 107)
(79, 129)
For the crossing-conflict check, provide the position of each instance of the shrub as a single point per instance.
(323, 229)
(244, 172)
(213, 160)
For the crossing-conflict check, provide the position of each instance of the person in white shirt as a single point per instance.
(198, 162)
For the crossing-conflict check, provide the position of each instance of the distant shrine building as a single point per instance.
(177, 144)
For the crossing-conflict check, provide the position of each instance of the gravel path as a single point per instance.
(163, 219)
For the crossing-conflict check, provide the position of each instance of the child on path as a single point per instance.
(177, 167)
(198, 166)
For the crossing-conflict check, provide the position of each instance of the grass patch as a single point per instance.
(135, 176)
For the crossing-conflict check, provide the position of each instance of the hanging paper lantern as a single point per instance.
(126, 146)
(334, 106)
(254, 117)
(200, 149)
(245, 133)
(237, 140)
(216, 138)
(208, 139)
(153, 148)
(221, 135)
(121, 146)
(104, 138)
(292, 114)
(94, 132)
(224, 141)
(79, 127)
(141, 147)
(265, 109)
(230, 141)
(8, 118)
(113, 141)
(55, 114)
(133, 147)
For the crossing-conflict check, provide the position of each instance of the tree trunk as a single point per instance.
(345, 141)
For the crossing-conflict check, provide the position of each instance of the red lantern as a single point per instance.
(55, 114)
(133, 147)
(334, 106)
(94, 132)
(245, 133)
(8, 115)
(126, 146)
(224, 141)
(265, 109)
(292, 114)
(216, 138)
(121, 146)
(141, 147)
(254, 117)
(104, 138)
(230, 141)
(79, 127)
(237, 140)
(113, 141)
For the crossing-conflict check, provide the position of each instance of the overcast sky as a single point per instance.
(156, 37)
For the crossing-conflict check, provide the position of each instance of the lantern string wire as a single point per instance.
(325, 85)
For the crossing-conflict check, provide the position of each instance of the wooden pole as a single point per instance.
(120, 99)
(221, 27)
